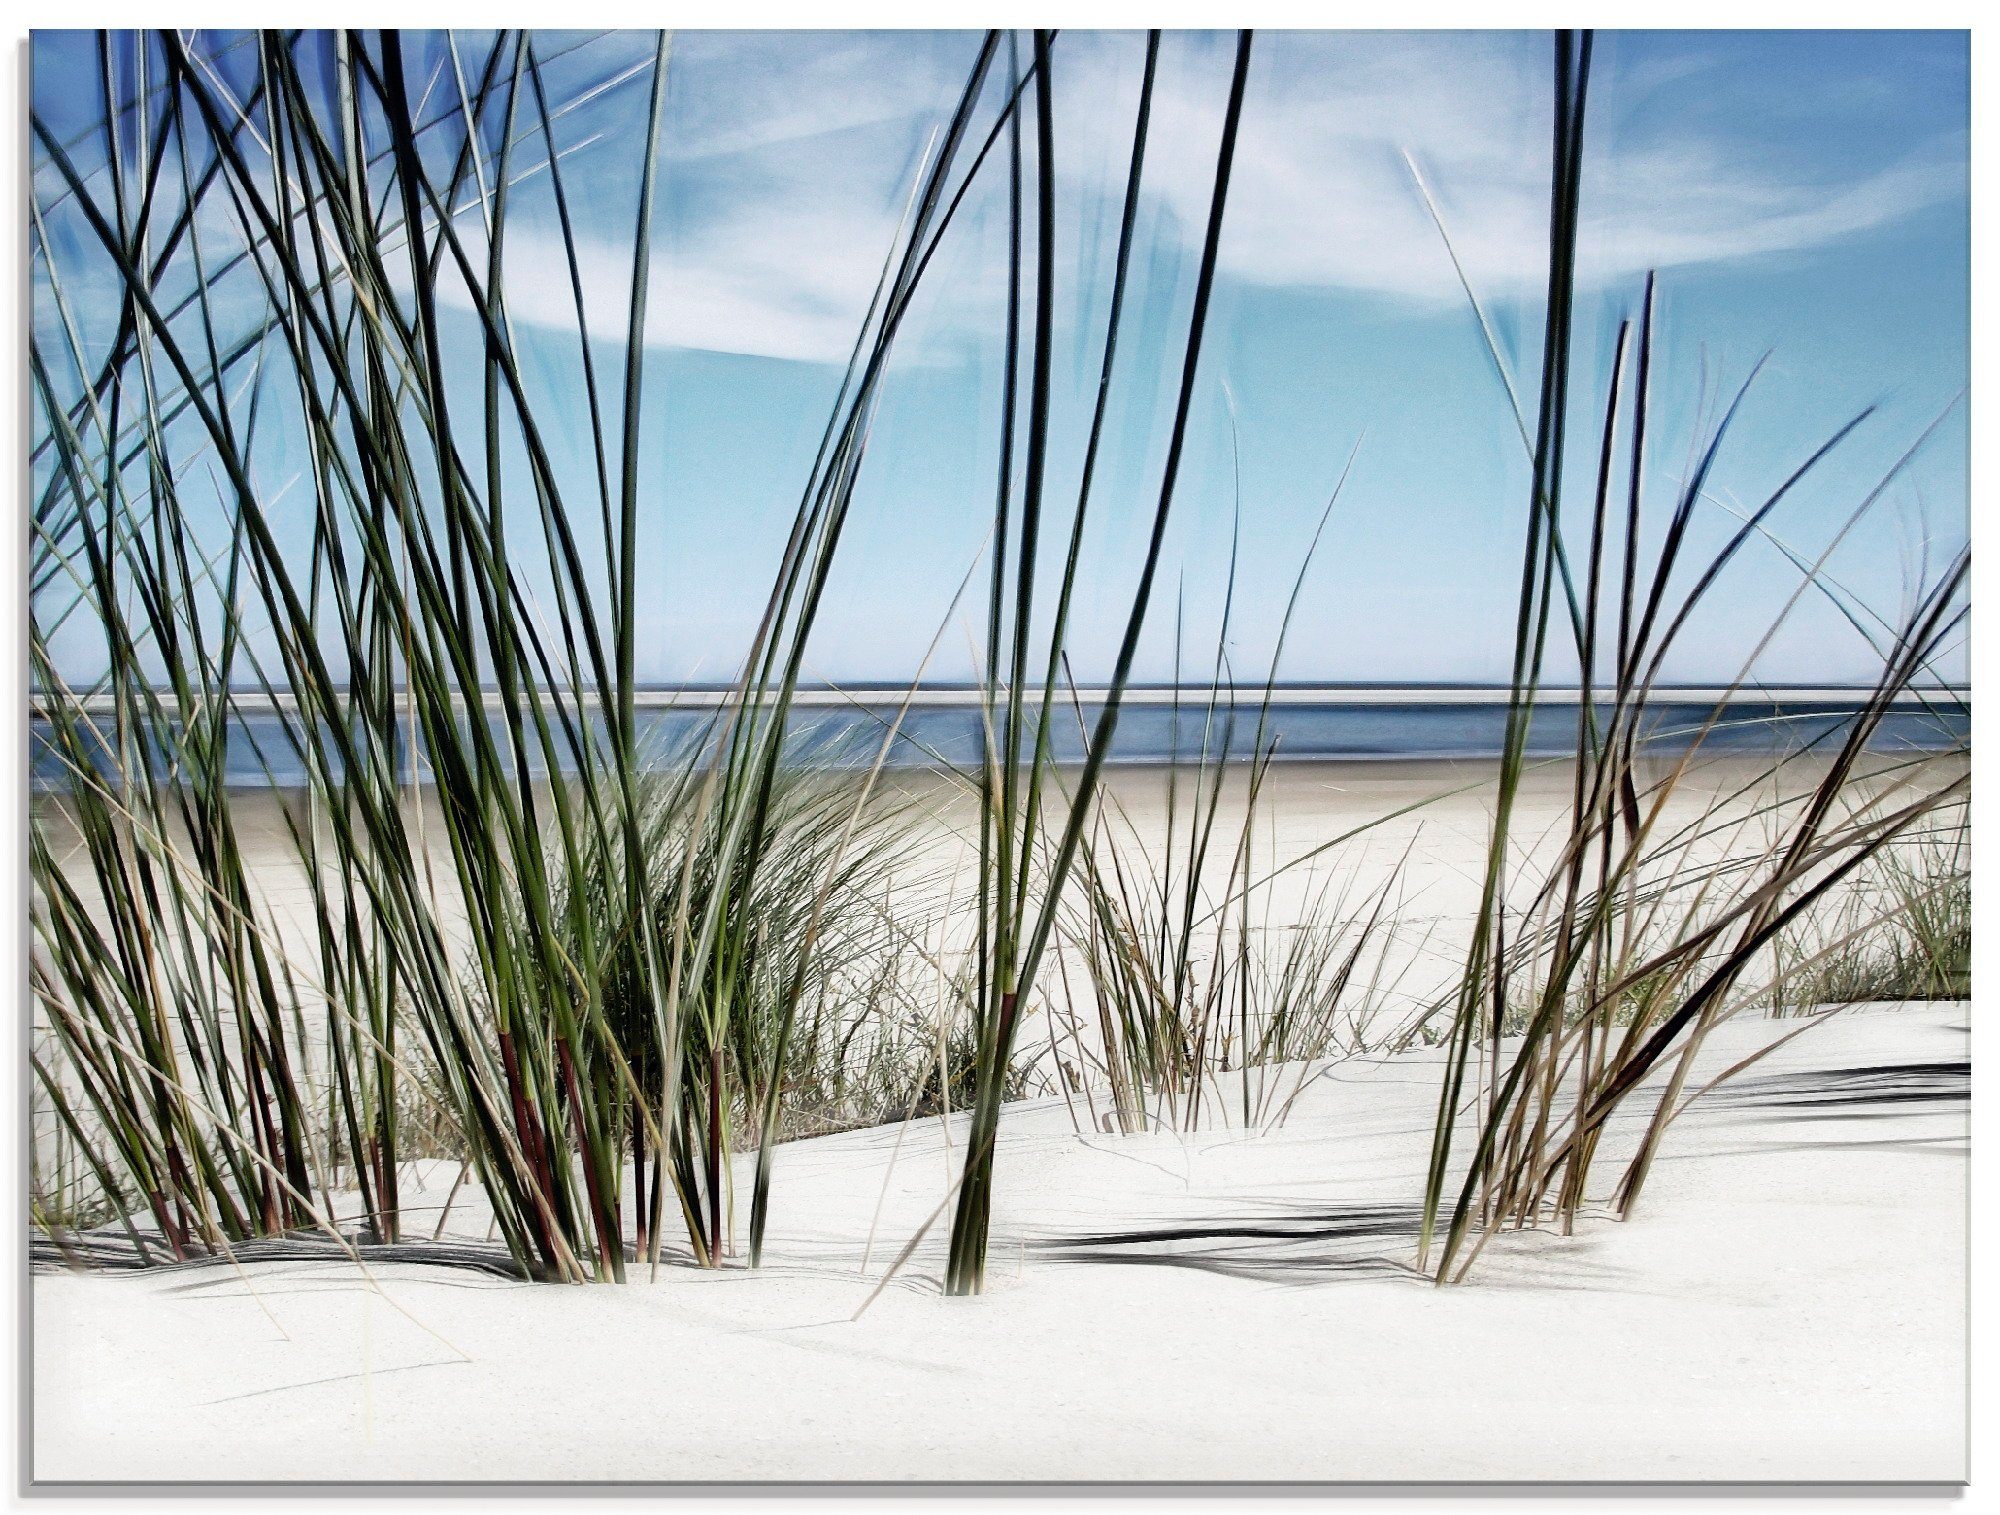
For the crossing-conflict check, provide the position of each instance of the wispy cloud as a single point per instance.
(790, 155)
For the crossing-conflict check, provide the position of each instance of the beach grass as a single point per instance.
(1613, 965)
(308, 515)
(403, 645)
(1020, 894)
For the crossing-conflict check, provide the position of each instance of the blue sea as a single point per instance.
(262, 753)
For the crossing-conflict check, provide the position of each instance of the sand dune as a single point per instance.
(1788, 1303)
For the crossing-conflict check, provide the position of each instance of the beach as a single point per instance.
(1228, 1302)
(1337, 830)
(970, 757)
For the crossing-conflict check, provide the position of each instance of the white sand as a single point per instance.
(1788, 1303)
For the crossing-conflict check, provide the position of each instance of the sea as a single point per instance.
(949, 728)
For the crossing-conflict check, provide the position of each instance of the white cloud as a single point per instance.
(1325, 199)
(789, 157)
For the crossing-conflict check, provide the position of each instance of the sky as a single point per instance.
(1801, 195)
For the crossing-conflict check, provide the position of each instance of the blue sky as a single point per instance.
(1800, 193)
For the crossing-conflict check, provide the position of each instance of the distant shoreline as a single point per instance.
(968, 696)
